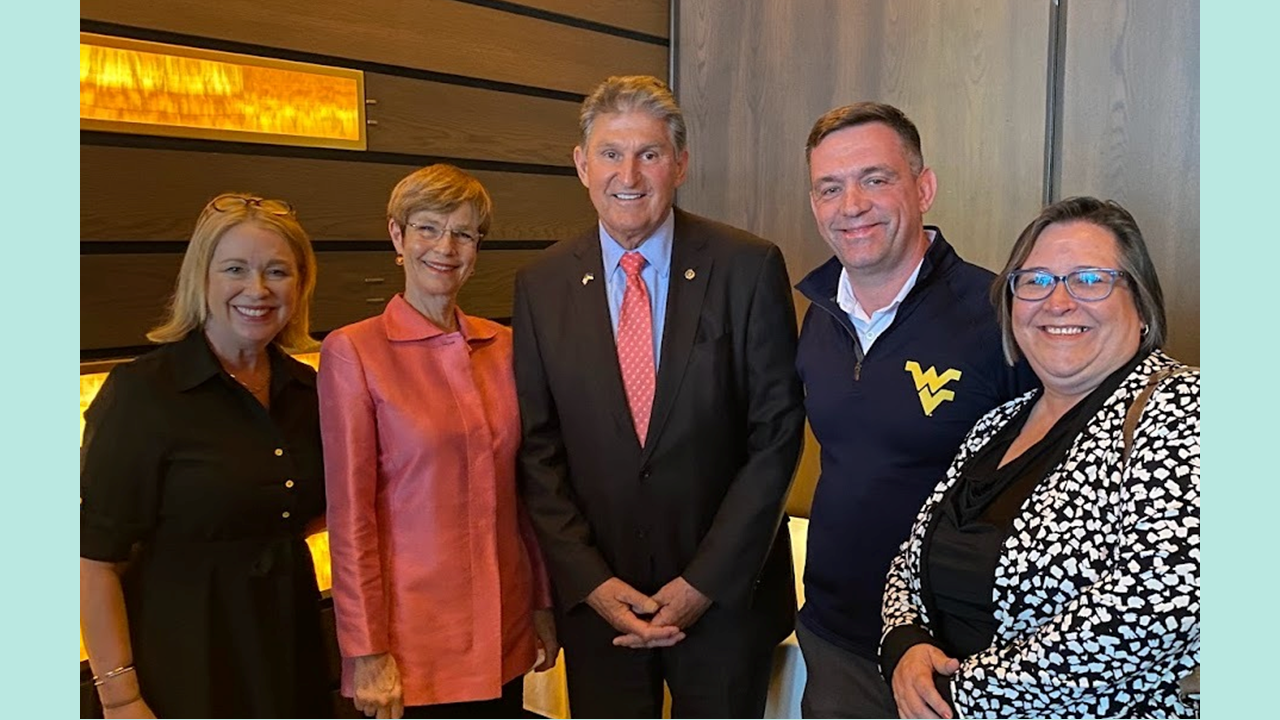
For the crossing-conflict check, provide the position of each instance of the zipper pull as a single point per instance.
(857, 370)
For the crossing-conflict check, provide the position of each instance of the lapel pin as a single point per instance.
(588, 278)
(690, 274)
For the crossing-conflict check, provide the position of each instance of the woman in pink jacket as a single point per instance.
(439, 591)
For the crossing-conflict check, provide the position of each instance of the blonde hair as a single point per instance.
(439, 188)
(189, 308)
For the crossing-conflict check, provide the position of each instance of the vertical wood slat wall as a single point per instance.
(493, 87)
(974, 76)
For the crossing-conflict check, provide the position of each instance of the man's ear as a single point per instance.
(927, 187)
(682, 166)
(580, 162)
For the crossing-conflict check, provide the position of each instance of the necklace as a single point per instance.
(254, 389)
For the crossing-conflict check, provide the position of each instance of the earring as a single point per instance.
(1145, 329)
(399, 259)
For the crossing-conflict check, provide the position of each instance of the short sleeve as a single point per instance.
(120, 467)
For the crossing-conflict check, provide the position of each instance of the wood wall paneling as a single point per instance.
(143, 194)
(437, 35)
(429, 118)
(754, 76)
(651, 17)
(356, 285)
(124, 295)
(1131, 132)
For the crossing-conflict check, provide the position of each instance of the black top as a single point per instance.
(185, 473)
(976, 515)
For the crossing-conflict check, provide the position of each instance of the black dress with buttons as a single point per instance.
(206, 493)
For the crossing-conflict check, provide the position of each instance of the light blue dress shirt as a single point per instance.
(656, 273)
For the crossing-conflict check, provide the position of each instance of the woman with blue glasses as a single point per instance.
(1055, 570)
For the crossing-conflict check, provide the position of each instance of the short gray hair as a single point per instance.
(634, 93)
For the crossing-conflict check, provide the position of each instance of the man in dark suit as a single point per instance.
(662, 424)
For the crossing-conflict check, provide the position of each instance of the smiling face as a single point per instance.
(631, 170)
(868, 204)
(252, 288)
(435, 270)
(1073, 345)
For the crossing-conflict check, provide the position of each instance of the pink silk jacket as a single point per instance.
(434, 560)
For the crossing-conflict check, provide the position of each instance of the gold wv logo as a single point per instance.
(929, 383)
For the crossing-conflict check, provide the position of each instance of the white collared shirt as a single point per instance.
(870, 327)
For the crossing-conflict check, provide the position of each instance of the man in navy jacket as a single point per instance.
(900, 355)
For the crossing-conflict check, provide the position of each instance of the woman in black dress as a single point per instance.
(201, 476)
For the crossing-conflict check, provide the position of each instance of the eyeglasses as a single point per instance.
(431, 233)
(231, 203)
(1086, 284)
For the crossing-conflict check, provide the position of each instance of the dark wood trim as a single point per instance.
(570, 20)
(157, 142)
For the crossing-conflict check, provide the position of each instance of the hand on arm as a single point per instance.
(378, 692)
(621, 605)
(913, 687)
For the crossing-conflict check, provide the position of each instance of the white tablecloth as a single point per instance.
(544, 693)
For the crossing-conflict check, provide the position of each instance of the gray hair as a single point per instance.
(634, 93)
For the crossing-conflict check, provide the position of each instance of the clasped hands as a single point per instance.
(648, 622)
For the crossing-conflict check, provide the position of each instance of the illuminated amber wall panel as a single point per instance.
(493, 88)
(153, 88)
(446, 36)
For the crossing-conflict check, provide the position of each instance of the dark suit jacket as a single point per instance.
(704, 498)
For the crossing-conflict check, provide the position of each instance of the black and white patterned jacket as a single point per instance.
(1097, 589)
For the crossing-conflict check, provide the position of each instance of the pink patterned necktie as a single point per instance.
(635, 345)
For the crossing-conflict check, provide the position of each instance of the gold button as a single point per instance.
(279, 452)
(284, 514)
(288, 483)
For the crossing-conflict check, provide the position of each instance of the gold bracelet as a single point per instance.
(98, 681)
(117, 706)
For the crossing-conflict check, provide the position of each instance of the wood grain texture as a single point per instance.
(355, 285)
(139, 194)
(1131, 132)
(429, 118)
(436, 35)
(754, 76)
(651, 17)
(122, 296)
